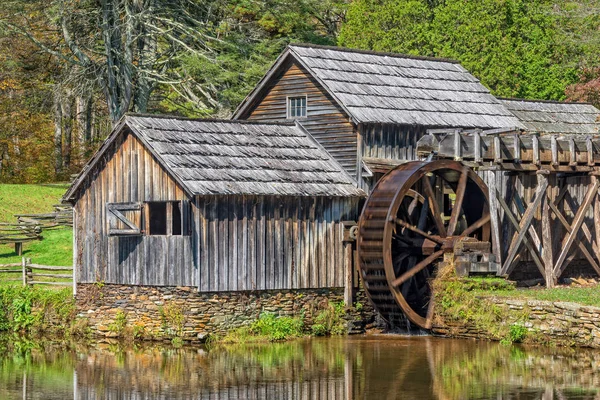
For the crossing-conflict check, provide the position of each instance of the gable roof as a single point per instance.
(214, 157)
(391, 88)
(555, 117)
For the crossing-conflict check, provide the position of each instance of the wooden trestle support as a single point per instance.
(541, 207)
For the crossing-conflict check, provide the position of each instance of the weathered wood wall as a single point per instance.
(129, 174)
(396, 142)
(236, 242)
(325, 120)
(268, 242)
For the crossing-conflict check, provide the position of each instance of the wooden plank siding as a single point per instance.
(129, 173)
(286, 242)
(387, 141)
(325, 119)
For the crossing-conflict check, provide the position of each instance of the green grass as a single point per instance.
(589, 296)
(56, 247)
(28, 199)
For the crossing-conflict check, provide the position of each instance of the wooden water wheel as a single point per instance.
(414, 215)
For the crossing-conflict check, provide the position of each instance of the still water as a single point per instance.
(372, 367)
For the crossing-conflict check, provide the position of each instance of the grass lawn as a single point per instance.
(589, 296)
(56, 247)
(28, 199)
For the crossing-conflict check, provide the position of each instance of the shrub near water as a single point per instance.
(35, 310)
(268, 327)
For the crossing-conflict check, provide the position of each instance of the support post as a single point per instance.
(554, 150)
(497, 151)
(590, 150)
(572, 153)
(494, 216)
(536, 150)
(517, 148)
(547, 250)
(24, 267)
(349, 239)
(19, 248)
(348, 284)
(457, 146)
(477, 145)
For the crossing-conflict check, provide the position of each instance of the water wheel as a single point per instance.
(413, 216)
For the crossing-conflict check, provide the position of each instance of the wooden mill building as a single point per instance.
(258, 202)
(369, 109)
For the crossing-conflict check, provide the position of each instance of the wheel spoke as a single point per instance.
(435, 210)
(418, 231)
(460, 195)
(410, 273)
(478, 224)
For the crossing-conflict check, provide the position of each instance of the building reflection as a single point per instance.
(378, 367)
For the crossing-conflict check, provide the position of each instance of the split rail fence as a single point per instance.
(30, 273)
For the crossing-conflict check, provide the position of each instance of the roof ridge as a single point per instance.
(232, 121)
(375, 53)
(515, 99)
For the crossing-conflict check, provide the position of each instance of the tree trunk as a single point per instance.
(84, 124)
(67, 114)
(58, 162)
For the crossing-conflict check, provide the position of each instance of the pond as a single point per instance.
(368, 367)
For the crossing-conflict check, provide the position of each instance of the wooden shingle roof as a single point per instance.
(215, 157)
(555, 117)
(391, 88)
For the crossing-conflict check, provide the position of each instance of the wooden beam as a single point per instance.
(458, 202)
(589, 147)
(524, 225)
(577, 221)
(513, 220)
(494, 216)
(521, 207)
(536, 149)
(581, 246)
(434, 206)
(477, 139)
(572, 153)
(554, 150)
(547, 251)
(457, 145)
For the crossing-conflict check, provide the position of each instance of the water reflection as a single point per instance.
(387, 367)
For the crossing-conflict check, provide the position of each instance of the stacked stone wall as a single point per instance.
(164, 312)
(555, 323)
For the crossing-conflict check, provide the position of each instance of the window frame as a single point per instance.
(289, 106)
(115, 212)
(184, 211)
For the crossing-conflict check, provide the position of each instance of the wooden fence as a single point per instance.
(30, 273)
(62, 216)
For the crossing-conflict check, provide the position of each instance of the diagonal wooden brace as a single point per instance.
(524, 226)
(513, 220)
(577, 222)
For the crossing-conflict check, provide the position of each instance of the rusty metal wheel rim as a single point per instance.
(392, 191)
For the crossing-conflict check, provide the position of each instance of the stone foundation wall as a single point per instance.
(163, 312)
(559, 323)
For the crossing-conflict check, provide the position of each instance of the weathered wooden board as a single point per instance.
(287, 242)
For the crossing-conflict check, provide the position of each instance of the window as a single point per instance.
(124, 219)
(157, 218)
(297, 107)
(166, 217)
